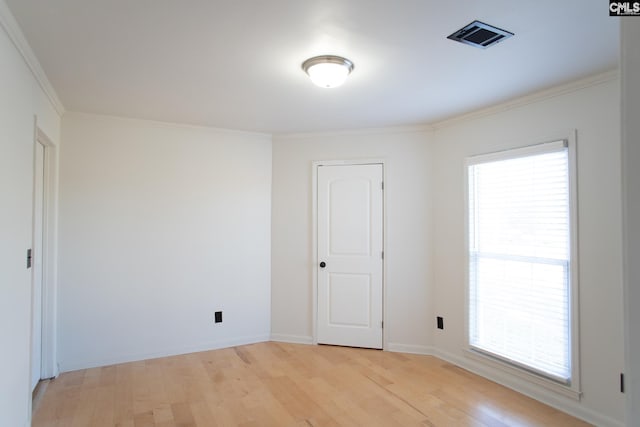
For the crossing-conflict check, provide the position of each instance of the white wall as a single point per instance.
(630, 71)
(594, 111)
(21, 100)
(160, 226)
(408, 312)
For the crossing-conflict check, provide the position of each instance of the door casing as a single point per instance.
(49, 362)
(314, 240)
(37, 256)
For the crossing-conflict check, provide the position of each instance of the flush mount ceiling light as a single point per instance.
(327, 70)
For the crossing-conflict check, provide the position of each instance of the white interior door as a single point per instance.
(350, 243)
(36, 254)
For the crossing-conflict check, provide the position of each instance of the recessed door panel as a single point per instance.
(350, 217)
(350, 300)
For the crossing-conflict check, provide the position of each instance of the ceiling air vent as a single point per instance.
(480, 35)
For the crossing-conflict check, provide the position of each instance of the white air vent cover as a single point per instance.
(480, 35)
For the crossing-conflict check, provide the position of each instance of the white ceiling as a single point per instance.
(236, 63)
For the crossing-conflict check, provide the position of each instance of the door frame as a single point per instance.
(49, 363)
(314, 239)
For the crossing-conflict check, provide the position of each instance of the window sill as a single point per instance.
(571, 392)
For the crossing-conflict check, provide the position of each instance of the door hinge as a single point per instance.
(29, 258)
(621, 383)
(382, 254)
(382, 324)
(382, 185)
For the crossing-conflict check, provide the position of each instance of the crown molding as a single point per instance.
(11, 27)
(134, 121)
(359, 131)
(533, 98)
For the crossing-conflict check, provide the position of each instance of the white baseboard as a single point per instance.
(409, 348)
(533, 391)
(294, 339)
(125, 358)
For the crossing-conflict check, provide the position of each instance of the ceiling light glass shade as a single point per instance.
(328, 70)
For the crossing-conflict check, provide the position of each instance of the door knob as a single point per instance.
(323, 264)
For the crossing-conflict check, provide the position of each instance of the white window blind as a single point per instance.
(519, 258)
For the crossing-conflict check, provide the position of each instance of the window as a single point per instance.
(520, 280)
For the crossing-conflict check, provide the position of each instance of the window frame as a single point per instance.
(571, 389)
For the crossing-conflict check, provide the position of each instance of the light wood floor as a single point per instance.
(276, 384)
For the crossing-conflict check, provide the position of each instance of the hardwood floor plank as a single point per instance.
(278, 384)
(144, 419)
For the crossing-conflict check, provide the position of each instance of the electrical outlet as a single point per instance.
(218, 317)
(440, 322)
